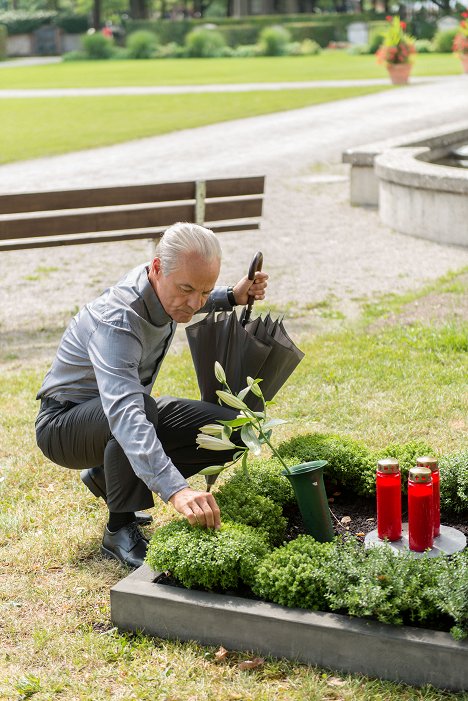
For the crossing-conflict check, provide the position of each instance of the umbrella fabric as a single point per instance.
(222, 338)
(262, 349)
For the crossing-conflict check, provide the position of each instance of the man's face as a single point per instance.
(184, 291)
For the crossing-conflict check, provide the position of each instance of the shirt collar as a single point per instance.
(157, 314)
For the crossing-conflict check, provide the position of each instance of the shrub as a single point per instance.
(454, 482)
(171, 50)
(141, 45)
(239, 502)
(204, 43)
(350, 463)
(443, 41)
(207, 558)
(247, 51)
(309, 47)
(97, 46)
(423, 46)
(3, 39)
(375, 42)
(72, 24)
(323, 34)
(375, 583)
(24, 21)
(274, 40)
(264, 478)
(296, 574)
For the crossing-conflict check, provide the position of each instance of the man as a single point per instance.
(96, 410)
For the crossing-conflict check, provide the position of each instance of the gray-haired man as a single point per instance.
(96, 410)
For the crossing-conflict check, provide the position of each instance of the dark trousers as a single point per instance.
(78, 436)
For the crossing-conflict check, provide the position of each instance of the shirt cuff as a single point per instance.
(168, 482)
(218, 301)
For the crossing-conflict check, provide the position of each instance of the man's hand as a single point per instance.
(246, 288)
(197, 507)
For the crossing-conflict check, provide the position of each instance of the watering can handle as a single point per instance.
(255, 267)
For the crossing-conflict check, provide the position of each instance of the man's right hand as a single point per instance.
(199, 508)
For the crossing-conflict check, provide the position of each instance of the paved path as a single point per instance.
(317, 247)
(196, 89)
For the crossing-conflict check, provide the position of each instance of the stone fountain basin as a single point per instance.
(351, 645)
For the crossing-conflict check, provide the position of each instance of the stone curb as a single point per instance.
(400, 654)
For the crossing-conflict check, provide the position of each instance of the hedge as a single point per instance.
(25, 22)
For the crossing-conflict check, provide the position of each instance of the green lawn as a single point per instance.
(46, 126)
(393, 383)
(330, 65)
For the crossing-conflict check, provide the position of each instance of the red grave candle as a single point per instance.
(388, 488)
(432, 464)
(420, 509)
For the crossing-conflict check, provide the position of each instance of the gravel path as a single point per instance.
(317, 248)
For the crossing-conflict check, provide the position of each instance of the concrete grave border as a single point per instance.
(401, 654)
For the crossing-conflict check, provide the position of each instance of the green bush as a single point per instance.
(141, 45)
(239, 502)
(274, 40)
(375, 42)
(309, 47)
(207, 558)
(239, 35)
(264, 478)
(350, 463)
(97, 46)
(204, 43)
(24, 21)
(72, 24)
(296, 574)
(247, 51)
(443, 41)
(406, 454)
(171, 50)
(375, 583)
(3, 40)
(323, 34)
(423, 46)
(454, 482)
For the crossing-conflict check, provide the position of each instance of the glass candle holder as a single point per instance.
(388, 489)
(433, 466)
(420, 509)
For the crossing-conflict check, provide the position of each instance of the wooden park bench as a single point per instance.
(124, 213)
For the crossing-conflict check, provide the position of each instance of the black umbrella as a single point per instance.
(260, 349)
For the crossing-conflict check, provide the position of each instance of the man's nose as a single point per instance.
(195, 301)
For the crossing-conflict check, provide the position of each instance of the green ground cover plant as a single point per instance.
(329, 65)
(368, 382)
(42, 127)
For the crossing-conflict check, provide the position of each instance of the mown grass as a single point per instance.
(329, 65)
(392, 383)
(47, 126)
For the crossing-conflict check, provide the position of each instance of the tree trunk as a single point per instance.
(97, 14)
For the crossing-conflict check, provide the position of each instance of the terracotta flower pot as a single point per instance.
(399, 72)
(464, 62)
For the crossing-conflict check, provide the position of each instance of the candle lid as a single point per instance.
(428, 461)
(421, 475)
(388, 465)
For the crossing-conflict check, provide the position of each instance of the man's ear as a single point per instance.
(156, 266)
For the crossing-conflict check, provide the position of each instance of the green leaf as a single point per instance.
(227, 430)
(271, 423)
(213, 470)
(235, 423)
(250, 439)
(219, 373)
(231, 399)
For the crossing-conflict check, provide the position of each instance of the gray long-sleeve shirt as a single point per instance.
(113, 348)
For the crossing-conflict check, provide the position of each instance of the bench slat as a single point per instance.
(109, 236)
(121, 195)
(136, 217)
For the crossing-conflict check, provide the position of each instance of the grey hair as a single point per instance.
(184, 238)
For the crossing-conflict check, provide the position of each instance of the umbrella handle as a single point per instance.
(255, 267)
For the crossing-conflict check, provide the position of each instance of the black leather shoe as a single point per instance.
(127, 545)
(95, 480)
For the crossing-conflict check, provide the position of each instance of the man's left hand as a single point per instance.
(246, 288)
